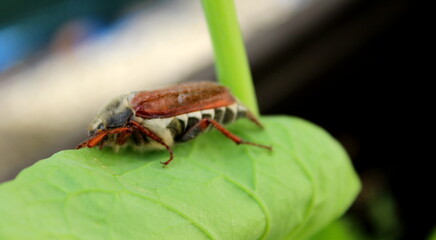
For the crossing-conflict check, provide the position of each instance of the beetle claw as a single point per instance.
(82, 145)
(163, 164)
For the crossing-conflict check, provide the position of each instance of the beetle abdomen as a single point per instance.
(223, 115)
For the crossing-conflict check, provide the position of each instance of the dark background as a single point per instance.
(360, 74)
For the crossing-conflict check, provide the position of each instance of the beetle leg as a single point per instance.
(93, 140)
(100, 145)
(119, 130)
(253, 118)
(98, 138)
(123, 137)
(124, 134)
(204, 123)
(82, 144)
(155, 137)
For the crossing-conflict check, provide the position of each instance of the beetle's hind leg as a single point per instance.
(204, 123)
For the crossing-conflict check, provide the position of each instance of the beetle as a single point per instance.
(156, 119)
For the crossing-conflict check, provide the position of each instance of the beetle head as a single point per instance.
(115, 114)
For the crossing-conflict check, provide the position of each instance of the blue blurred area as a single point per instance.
(21, 40)
(27, 27)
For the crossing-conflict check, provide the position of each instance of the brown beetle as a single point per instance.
(157, 119)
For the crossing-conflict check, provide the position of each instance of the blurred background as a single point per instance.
(350, 66)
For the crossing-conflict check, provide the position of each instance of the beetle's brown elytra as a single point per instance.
(158, 119)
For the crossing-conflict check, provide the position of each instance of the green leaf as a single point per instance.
(432, 234)
(212, 190)
(342, 229)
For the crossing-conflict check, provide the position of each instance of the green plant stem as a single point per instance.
(231, 59)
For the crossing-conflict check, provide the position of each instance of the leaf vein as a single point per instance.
(311, 178)
(250, 193)
(194, 222)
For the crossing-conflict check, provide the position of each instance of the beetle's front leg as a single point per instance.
(204, 123)
(98, 138)
(93, 140)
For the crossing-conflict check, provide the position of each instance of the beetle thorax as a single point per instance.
(114, 115)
